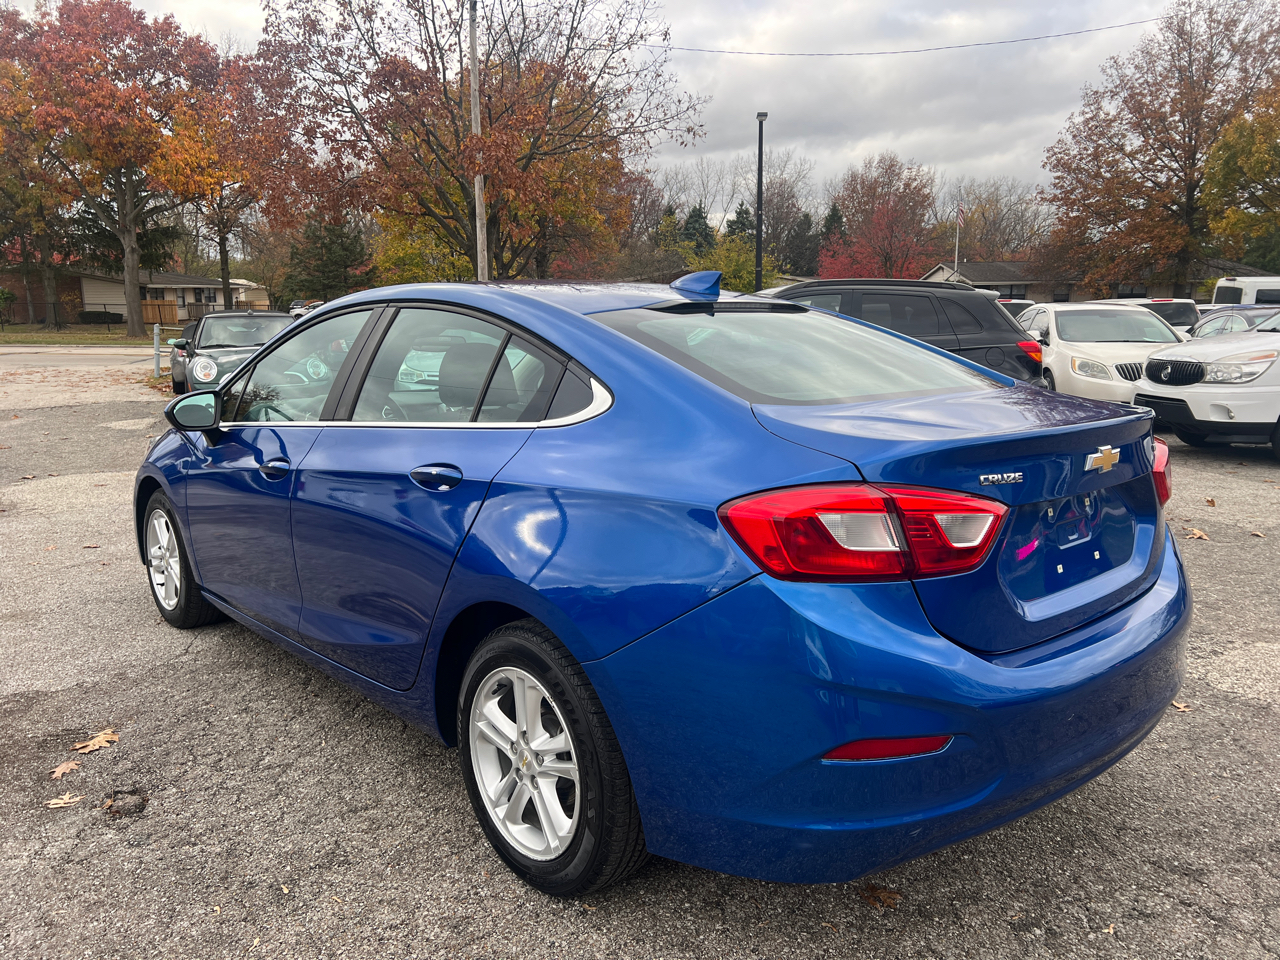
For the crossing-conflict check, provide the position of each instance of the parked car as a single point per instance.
(951, 316)
(217, 344)
(1217, 390)
(1224, 320)
(296, 304)
(1015, 307)
(1239, 290)
(724, 579)
(304, 308)
(1096, 349)
(1179, 314)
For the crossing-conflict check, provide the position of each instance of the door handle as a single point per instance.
(436, 476)
(274, 469)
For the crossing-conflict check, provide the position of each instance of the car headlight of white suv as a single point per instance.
(1090, 368)
(1239, 368)
(204, 370)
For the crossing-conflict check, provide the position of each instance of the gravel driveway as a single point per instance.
(260, 809)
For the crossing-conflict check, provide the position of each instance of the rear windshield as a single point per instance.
(1227, 294)
(1103, 325)
(1174, 313)
(793, 357)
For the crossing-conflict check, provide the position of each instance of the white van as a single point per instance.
(1247, 290)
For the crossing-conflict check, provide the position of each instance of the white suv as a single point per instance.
(1218, 390)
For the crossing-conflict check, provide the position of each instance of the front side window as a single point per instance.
(1113, 325)
(1212, 327)
(293, 380)
(794, 358)
(520, 388)
(430, 368)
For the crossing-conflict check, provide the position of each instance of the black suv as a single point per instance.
(954, 316)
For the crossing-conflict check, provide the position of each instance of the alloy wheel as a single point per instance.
(163, 559)
(524, 763)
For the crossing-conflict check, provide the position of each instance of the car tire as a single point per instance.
(1192, 439)
(1275, 441)
(1049, 382)
(173, 587)
(582, 791)
(179, 386)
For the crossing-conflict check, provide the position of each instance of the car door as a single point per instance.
(239, 482)
(913, 314)
(385, 499)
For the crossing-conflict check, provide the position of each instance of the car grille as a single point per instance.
(1130, 371)
(1180, 372)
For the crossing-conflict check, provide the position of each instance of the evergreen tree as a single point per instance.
(743, 222)
(698, 231)
(328, 260)
(832, 225)
(800, 248)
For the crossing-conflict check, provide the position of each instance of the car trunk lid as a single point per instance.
(1081, 537)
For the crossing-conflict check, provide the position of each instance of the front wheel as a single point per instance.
(169, 570)
(1048, 380)
(179, 386)
(543, 767)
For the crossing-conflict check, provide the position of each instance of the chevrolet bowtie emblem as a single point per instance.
(1102, 461)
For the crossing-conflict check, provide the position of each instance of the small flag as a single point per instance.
(960, 216)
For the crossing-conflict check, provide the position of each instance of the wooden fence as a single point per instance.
(163, 312)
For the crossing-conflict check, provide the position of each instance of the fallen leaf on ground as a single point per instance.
(65, 800)
(1258, 533)
(217, 909)
(1182, 707)
(62, 768)
(1210, 501)
(1197, 535)
(103, 739)
(284, 888)
(90, 546)
(1110, 929)
(28, 476)
(831, 927)
(880, 897)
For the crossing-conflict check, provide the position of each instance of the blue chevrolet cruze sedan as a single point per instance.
(723, 579)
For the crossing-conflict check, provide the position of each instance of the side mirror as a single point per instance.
(195, 411)
(180, 343)
(1044, 340)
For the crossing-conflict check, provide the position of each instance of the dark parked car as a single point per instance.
(217, 344)
(953, 316)
(1232, 319)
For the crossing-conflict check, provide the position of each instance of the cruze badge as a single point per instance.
(1164, 376)
(989, 478)
(1102, 461)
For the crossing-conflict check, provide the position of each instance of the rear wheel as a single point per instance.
(1191, 439)
(542, 766)
(173, 588)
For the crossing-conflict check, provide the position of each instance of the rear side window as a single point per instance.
(905, 313)
(573, 395)
(1227, 294)
(962, 320)
(795, 358)
(1267, 296)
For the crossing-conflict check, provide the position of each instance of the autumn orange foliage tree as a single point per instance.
(568, 92)
(1128, 170)
(125, 108)
(886, 206)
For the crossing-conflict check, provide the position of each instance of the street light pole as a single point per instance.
(761, 117)
(482, 237)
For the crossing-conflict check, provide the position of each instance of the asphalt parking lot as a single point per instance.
(261, 809)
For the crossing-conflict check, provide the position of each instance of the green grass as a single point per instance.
(76, 333)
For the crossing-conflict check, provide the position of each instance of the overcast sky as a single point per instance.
(989, 110)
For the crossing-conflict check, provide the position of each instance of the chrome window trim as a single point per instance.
(601, 400)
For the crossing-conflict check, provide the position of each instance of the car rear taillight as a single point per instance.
(1032, 349)
(889, 749)
(1160, 472)
(858, 532)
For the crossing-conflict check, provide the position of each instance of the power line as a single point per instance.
(894, 53)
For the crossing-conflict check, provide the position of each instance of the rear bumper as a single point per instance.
(724, 716)
(1209, 412)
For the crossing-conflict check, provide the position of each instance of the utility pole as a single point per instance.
(761, 117)
(482, 237)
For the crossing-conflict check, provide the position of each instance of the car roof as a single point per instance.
(218, 314)
(1094, 304)
(580, 297)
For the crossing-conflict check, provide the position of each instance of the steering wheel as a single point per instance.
(393, 411)
(267, 407)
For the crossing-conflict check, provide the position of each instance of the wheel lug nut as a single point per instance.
(538, 757)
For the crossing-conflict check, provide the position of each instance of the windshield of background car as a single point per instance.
(1103, 325)
(240, 331)
(1177, 314)
(795, 357)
